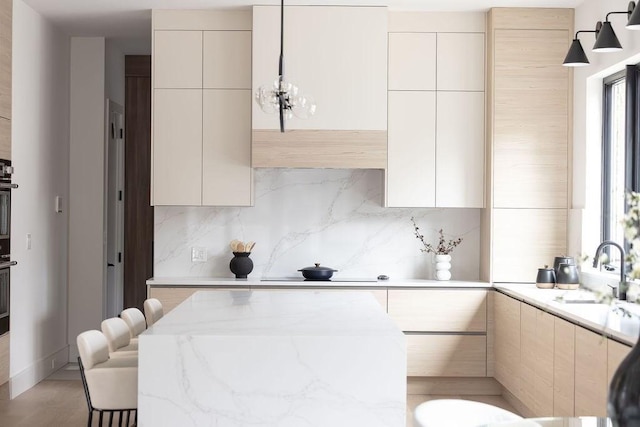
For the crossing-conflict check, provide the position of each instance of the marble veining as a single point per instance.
(303, 216)
(273, 358)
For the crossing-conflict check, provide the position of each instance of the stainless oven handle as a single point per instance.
(8, 264)
(4, 185)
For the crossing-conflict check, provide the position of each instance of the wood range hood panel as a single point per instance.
(344, 149)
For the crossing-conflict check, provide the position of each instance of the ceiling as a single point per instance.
(125, 19)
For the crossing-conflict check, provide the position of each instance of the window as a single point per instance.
(613, 158)
(620, 149)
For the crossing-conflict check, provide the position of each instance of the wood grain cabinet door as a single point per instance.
(591, 374)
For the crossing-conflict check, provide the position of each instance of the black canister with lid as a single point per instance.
(546, 278)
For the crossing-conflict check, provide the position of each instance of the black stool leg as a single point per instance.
(101, 415)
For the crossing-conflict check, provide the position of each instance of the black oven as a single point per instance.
(5, 242)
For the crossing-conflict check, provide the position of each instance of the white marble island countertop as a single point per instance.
(257, 283)
(265, 358)
(600, 318)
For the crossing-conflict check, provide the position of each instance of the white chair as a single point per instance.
(459, 413)
(152, 311)
(118, 338)
(110, 384)
(135, 321)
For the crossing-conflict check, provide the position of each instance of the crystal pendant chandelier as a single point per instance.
(284, 97)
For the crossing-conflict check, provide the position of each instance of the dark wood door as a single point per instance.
(138, 212)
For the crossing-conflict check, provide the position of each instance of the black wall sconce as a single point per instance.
(576, 56)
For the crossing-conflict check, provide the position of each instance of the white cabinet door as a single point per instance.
(226, 164)
(227, 60)
(177, 147)
(177, 59)
(460, 150)
(411, 149)
(411, 61)
(460, 61)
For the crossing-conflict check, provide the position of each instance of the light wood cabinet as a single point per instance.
(528, 354)
(616, 353)
(460, 62)
(429, 310)
(201, 109)
(337, 55)
(177, 147)
(410, 176)
(526, 239)
(411, 64)
(172, 297)
(591, 374)
(507, 342)
(177, 59)
(446, 356)
(563, 368)
(5, 138)
(459, 153)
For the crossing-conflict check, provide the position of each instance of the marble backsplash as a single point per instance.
(303, 216)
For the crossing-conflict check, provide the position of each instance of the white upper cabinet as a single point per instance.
(177, 59)
(460, 62)
(338, 55)
(410, 179)
(227, 60)
(460, 150)
(411, 64)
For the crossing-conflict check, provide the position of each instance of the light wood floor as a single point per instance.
(60, 402)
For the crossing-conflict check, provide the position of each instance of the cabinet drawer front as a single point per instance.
(439, 310)
(172, 297)
(446, 355)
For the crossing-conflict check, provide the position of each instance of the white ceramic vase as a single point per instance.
(442, 267)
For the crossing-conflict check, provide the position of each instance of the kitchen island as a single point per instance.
(273, 358)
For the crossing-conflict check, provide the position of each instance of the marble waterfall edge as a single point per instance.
(303, 216)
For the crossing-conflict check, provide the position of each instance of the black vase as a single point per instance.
(623, 406)
(241, 265)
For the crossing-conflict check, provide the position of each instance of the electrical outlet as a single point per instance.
(198, 254)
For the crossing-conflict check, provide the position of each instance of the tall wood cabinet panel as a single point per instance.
(460, 149)
(411, 64)
(524, 240)
(563, 368)
(507, 342)
(5, 138)
(528, 353)
(411, 150)
(461, 61)
(616, 353)
(177, 147)
(531, 119)
(177, 59)
(591, 374)
(226, 154)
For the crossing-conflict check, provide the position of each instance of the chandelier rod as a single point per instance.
(281, 95)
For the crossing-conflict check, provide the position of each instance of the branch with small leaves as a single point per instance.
(443, 247)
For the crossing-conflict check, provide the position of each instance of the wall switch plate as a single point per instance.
(58, 204)
(198, 254)
(28, 241)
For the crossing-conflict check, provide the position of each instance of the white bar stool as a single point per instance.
(152, 311)
(135, 321)
(459, 413)
(118, 337)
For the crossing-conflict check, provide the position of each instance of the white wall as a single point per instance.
(86, 204)
(584, 232)
(114, 72)
(303, 216)
(40, 143)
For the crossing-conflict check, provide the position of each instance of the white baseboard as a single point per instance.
(38, 371)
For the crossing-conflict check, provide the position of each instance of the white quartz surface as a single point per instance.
(255, 283)
(273, 358)
(601, 318)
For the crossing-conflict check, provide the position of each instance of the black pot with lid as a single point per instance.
(317, 272)
(546, 278)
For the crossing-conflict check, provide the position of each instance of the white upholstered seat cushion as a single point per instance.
(459, 413)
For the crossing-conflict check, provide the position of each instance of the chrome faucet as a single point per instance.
(622, 291)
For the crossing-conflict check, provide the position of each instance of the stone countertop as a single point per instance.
(600, 318)
(254, 283)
